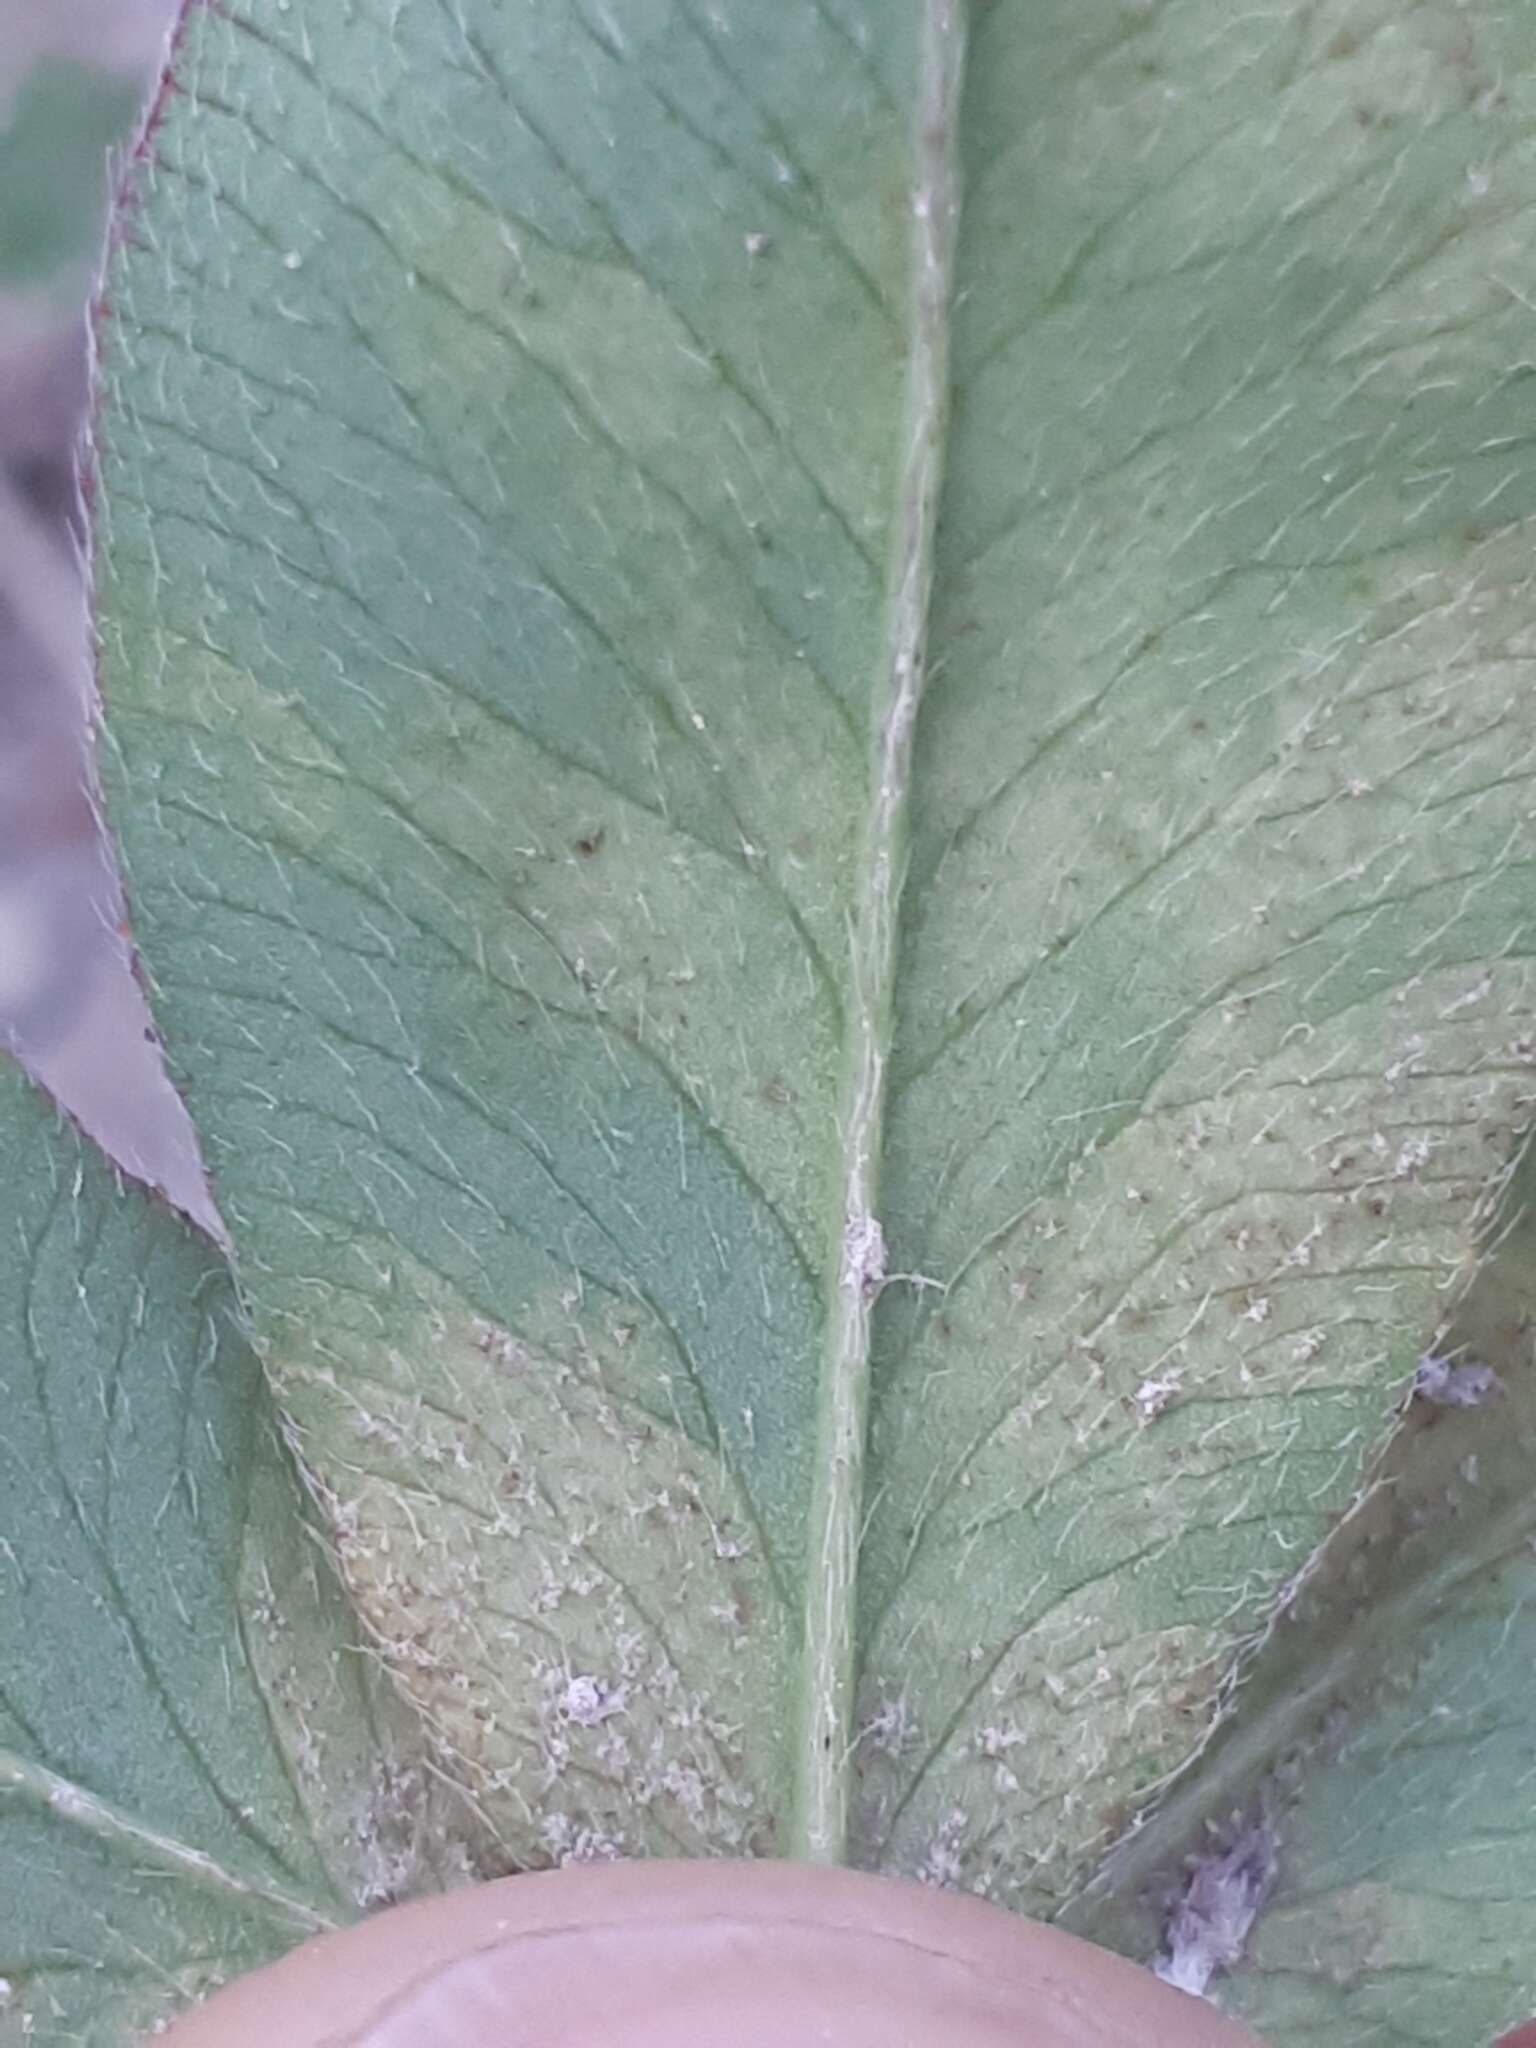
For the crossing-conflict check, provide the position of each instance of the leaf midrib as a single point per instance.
(855, 1254)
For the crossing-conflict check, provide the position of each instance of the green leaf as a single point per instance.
(55, 137)
(546, 449)
(1384, 1725)
(198, 1764)
(1408, 1913)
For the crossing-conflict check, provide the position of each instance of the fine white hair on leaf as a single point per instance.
(1222, 1897)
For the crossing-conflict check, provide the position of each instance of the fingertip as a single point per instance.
(646, 1955)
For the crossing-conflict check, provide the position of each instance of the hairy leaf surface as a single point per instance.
(826, 1273)
(197, 1763)
(1381, 1734)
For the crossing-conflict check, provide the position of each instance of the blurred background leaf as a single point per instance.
(54, 154)
(74, 78)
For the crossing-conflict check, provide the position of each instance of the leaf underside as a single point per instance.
(513, 442)
(198, 1761)
(1383, 1725)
